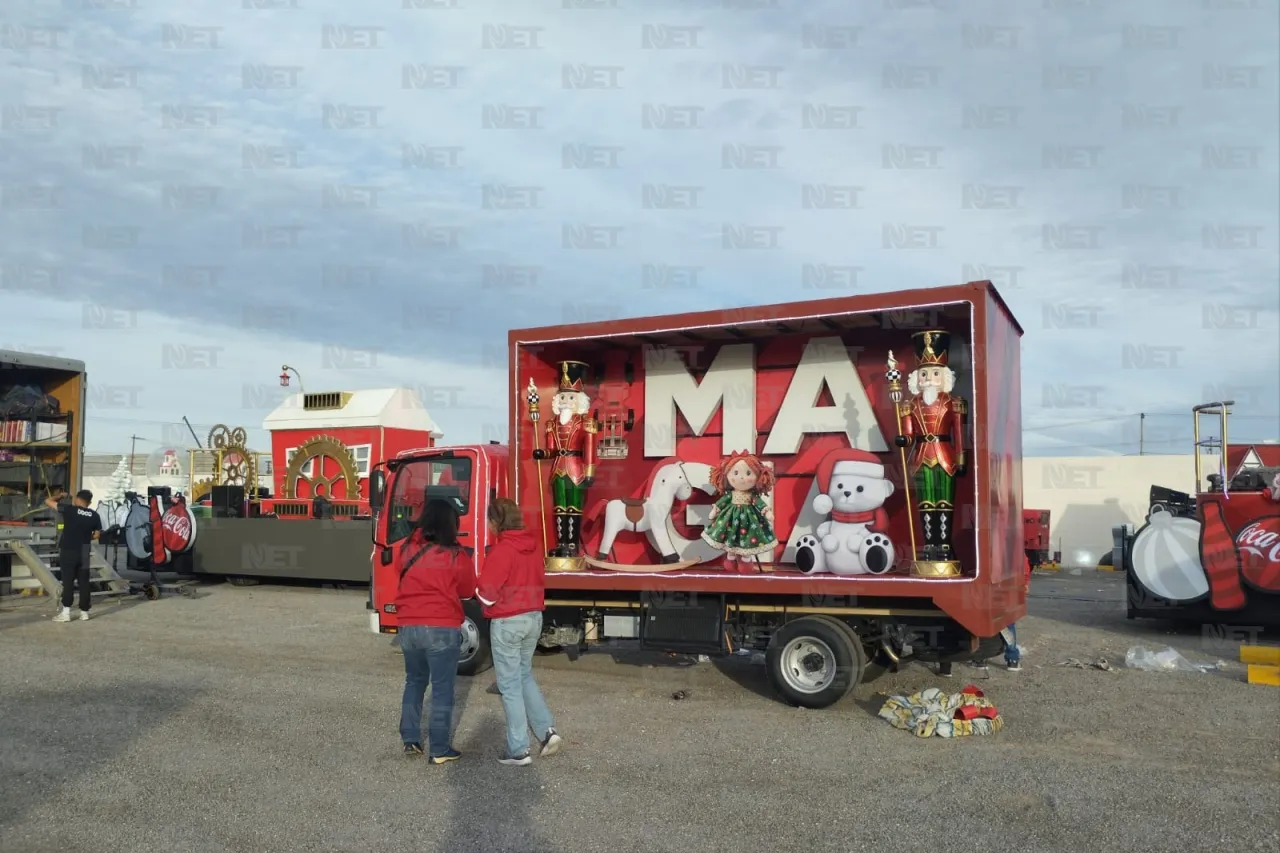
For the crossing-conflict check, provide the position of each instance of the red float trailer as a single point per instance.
(618, 430)
(1214, 557)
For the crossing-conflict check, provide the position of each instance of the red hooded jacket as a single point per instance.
(512, 578)
(432, 590)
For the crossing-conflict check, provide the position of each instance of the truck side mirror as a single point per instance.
(377, 488)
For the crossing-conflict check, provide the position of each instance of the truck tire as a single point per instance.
(814, 661)
(476, 656)
(869, 670)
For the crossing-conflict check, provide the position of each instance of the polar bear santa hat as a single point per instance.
(848, 461)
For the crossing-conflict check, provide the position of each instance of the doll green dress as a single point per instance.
(740, 527)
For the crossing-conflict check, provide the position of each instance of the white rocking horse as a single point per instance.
(668, 482)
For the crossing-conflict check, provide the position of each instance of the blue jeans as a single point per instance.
(513, 641)
(1012, 654)
(430, 656)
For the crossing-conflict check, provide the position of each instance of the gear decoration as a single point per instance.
(322, 446)
(201, 490)
(233, 465)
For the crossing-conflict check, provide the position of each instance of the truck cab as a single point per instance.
(468, 477)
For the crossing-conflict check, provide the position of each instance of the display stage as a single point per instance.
(306, 549)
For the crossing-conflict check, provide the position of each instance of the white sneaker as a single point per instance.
(84, 615)
(64, 615)
(551, 743)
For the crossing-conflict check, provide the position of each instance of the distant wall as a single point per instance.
(1087, 496)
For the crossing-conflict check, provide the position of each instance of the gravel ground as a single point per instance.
(264, 719)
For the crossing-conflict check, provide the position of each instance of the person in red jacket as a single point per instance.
(511, 590)
(436, 576)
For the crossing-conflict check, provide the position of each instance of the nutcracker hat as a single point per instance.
(573, 376)
(847, 461)
(932, 348)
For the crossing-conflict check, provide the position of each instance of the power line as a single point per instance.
(1113, 418)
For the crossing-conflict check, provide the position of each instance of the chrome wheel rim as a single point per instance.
(470, 640)
(808, 665)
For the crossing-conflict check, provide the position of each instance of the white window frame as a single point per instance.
(362, 467)
(308, 470)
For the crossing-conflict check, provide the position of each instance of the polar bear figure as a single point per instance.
(852, 488)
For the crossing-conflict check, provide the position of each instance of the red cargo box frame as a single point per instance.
(985, 354)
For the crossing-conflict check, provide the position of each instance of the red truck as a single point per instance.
(888, 524)
(1035, 536)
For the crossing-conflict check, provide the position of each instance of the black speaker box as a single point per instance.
(227, 501)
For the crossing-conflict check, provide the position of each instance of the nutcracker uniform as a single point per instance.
(572, 446)
(935, 433)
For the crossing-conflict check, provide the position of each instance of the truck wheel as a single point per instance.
(475, 657)
(869, 670)
(814, 663)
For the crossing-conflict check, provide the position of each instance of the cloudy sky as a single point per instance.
(197, 191)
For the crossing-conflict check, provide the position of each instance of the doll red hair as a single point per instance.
(764, 476)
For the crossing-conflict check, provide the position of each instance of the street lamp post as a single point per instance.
(285, 370)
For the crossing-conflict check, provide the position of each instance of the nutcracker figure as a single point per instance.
(570, 444)
(932, 427)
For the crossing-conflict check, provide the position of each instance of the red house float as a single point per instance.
(828, 481)
(322, 445)
(327, 443)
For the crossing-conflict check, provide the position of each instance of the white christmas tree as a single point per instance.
(121, 482)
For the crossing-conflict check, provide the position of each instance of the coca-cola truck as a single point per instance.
(836, 483)
(1215, 561)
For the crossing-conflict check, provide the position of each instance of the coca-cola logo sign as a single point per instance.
(177, 527)
(1258, 544)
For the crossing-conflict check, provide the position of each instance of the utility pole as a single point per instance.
(133, 451)
(1142, 433)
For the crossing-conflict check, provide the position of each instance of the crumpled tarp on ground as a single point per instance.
(934, 713)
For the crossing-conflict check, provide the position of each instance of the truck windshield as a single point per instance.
(421, 481)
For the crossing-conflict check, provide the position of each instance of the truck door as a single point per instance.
(449, 475)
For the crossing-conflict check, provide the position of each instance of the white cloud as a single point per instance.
(1143, 138)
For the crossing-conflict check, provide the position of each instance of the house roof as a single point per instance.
(1241, 457)
(393, 408)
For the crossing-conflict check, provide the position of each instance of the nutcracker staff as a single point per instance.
(932, 426)
(571, 443)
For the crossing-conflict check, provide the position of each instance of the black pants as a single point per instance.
(75, 570)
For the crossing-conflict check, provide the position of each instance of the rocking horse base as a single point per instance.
(648, 567)
(564, 564)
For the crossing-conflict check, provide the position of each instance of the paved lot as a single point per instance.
(264, 719)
